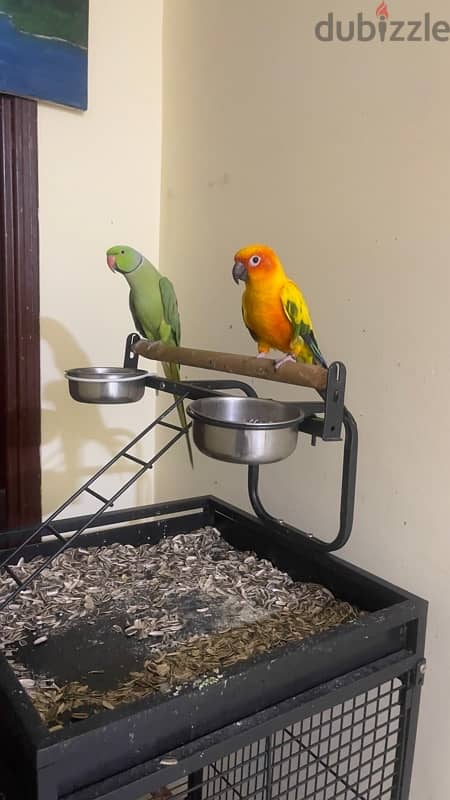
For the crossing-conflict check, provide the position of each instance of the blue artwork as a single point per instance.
(43, 50)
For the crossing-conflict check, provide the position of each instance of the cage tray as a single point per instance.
(65, 762)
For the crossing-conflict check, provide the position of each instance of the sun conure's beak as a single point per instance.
(111, 261)
(239, 272)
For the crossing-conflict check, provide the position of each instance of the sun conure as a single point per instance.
(153, 306)
(273, 307)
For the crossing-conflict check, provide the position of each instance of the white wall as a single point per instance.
(99, 185)
(338, 156)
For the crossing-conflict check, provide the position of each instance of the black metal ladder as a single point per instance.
(47, 527)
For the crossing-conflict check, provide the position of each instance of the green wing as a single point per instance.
(297, 312)
(170, 309)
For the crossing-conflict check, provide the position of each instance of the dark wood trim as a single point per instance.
(20, 381)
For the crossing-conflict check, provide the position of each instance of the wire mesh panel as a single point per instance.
(350, 751)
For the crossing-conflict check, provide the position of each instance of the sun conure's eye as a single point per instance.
(254, 261)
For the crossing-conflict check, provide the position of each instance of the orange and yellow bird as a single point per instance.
(273, 307)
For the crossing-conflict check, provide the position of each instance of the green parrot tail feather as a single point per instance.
(183, 423)
(172, 372)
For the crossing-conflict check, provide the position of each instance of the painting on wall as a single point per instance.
(44, 50)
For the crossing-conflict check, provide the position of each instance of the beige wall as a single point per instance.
(99, 185)
(338, 156)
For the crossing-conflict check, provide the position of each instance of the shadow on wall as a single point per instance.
(76, 442)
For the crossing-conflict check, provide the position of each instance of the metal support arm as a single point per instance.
(348, 484)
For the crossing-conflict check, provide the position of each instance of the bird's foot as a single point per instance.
(262, 355)
(284, 360)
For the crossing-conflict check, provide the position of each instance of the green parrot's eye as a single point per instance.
(122, 252)
(255, 261)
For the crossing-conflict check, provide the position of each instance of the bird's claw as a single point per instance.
(261, 355)
(284, 360)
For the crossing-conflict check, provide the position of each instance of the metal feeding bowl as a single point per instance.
(245, 430)
(106, 384)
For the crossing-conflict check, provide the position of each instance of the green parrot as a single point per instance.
(153, 306)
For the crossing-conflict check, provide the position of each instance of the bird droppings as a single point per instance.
(151, 619)
(209, 681)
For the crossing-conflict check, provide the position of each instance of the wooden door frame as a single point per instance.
(20, 379)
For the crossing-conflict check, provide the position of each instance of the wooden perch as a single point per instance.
(312, 376)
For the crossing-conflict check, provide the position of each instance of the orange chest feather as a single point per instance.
(265, 317)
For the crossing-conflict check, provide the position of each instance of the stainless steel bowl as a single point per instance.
(106, 384)
(245, 430)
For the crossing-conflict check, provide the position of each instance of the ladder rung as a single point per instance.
(135, 459)
(54, 532)
(13, 575)
(97, 495)
(171, 426)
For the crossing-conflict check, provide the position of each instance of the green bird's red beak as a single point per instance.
(111, 261)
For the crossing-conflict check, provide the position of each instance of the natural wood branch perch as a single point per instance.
(299, 374)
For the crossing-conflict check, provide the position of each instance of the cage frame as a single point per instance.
(389, 640)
